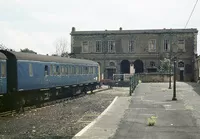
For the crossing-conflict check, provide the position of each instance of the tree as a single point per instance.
(165, 65)
(2, 46)
(61, 46)
(26, 50)
(72, 55)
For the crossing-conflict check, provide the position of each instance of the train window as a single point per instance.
(57, 70)
(80, 70)
(66, 70)
(30, 70)
(3, 69)
(77, 70)
(94, 70)
(51, 69)
(86, 70)
(91, 70)
(62, 70)
(69, 70)
(72, 70)
(46, 71)
(54, 70)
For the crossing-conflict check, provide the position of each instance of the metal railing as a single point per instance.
(122, 77)
(134, 80)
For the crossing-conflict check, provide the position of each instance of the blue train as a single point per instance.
(26, 76)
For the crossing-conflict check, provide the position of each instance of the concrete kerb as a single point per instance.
(96, 120)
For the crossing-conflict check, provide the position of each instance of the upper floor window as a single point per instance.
(98, 46)
(3, 69)
(181, 45)
(166, 45)
(152, 45)
(30, 70)
(111, 46)
(85, 46)
(131, 46)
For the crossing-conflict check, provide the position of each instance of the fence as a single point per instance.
(134, 80)
(122, 77)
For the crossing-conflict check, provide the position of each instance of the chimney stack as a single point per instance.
(73, 29)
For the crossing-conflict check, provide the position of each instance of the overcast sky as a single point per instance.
(36, 24)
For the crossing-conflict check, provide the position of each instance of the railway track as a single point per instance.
(48, 103)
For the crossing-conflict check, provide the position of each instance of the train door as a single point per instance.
(3, 79)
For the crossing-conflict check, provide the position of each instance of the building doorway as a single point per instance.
(110, 73)
(181, 66)
(139, 66)
(125, 67)
(181, 75)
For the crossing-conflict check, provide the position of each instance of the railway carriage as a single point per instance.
(33, 76)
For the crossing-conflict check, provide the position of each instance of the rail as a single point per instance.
(134, 80)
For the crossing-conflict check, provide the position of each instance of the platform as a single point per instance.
(126, 117)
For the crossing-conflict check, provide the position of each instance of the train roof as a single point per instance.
(45, 58)
(2, 56)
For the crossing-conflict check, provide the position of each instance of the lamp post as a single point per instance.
(174, 85)
(104, 54)
(170, 68)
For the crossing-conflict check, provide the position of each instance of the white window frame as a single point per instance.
(109, 46)
(99, 46)
(129, 46)
(166, 41)
(82, 44)
(150, 47)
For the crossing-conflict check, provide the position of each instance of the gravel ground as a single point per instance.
(62, 120)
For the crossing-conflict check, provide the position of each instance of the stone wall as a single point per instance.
(155, 77)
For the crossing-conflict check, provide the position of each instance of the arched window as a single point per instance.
(181, 64)
(46, 71)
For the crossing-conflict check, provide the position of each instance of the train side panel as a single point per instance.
(37, 75)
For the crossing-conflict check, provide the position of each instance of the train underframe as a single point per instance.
(18, 100)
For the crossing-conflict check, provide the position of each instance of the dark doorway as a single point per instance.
(110, 73)
(125, 66)
(181, 75)
(139, 66)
